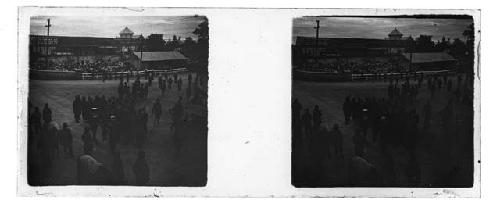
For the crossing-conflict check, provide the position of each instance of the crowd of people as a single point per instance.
(96, 66)
(393, 120)
(374, 67)
(114, 121)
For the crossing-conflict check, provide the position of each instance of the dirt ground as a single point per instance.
(444, 161)
(168, 167)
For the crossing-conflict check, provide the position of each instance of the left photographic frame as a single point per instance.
(114, 100)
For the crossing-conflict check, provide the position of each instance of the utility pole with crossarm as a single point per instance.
(47, 41)
(317, 38)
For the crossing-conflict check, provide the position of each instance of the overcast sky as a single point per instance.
(379, 28)
(111, 26)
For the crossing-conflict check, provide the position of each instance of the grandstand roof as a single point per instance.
(160, 56)
(429, 57)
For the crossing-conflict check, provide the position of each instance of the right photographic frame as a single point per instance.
(385, 101)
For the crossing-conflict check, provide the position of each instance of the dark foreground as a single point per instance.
(436, 150)
(172, 162)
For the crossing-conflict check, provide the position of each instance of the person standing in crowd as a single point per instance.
(93, 120)
(53, 139)
(114, 133)
(141, 169)
(77, 108)
(177, 113)
(365, 122)
(338, 140)
(170, 81)
(157, 111)
(316, 118)
(179, 84)
(306, 121)
(47, 113)
(163, 86)
(150, 79)
(347, 109)
(67, 140)
(84, 106)
(142, 130)
(190, 78)
(87, 140)
(296, 109)
(160, 81)
(35, 119)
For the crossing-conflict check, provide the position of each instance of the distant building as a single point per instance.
(42, 45)
(331, 49)
(156, 36)
(395, 35)
(353, 47)
(349, 47)
(126, 33)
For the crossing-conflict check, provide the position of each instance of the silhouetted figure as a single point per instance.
(47, 114)
(306, 121)
(157, 111)
(141, 169)
(67, 140)
(177, 113)
(35, 119)
(316, 118)
(179, 84)
(163, 86)
(114, 133)
(365, 122)
(87, 140)
(94, 122)
(296, 109)
(347, 110)
(142, 119)
(77, 108)
(170, 81)
(85, 105)
(338, 140)
(53, 139)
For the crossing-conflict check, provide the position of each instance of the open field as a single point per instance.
(444, 161)
(168, 167)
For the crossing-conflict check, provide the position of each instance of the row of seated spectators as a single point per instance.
(361, 67)
(98, 66)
